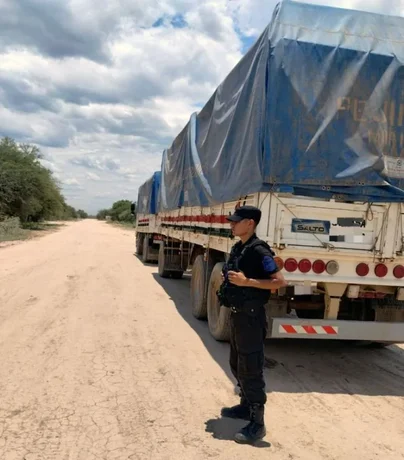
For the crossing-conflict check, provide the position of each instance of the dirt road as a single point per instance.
(101, 359)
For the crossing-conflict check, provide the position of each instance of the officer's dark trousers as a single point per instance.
(247, 354)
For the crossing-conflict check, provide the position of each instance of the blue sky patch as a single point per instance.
(159, 22)
(177, 21)
(247, 42)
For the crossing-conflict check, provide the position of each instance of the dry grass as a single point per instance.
(121, 224)
(11, 230)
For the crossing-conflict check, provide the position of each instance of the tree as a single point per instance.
(101, 215)
(69, 212)
(82, 214)
(121, 211)
(28, 190)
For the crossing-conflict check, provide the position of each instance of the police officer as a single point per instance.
(248, 277)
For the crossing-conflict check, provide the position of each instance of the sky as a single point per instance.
(103, 87)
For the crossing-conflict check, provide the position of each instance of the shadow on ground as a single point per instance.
(306, 366)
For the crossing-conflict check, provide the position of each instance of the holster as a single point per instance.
(238, 300)
(221, 295)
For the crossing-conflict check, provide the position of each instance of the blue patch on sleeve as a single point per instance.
(269, 264)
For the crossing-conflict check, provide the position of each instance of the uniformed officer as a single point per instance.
(249, 276)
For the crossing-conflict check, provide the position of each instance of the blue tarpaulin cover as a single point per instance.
(148, 195)
(316, 107)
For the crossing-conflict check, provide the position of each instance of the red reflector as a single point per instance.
(381, 270)
(290, 265)
(305, 265)
(279, 263)
(318, 267)
(398, 271)
(362, 269)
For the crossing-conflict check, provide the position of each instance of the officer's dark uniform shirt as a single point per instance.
(257, 262)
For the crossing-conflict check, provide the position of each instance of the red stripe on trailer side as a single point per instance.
(310, 329)
(207, 219)
(219, 220)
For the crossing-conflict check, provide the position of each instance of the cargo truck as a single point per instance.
(309, 127)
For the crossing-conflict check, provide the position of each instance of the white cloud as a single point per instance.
(50, 165)
(102, 92)
(211, 19)
(93, 176)
(71, 181)
(103, 163)
(112, 116)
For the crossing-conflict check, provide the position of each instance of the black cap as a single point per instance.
(245, 212)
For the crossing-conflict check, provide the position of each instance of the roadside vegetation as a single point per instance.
(30, 196)
(121, 212)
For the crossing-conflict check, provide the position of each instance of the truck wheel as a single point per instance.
(145, 252)
(201, 272)
(139, 245)
(163, 272)
(218, 316)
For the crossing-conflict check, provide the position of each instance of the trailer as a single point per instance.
(309, 128)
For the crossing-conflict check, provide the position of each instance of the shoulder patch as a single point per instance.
(269, 264)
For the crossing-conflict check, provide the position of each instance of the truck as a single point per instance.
(308, 127)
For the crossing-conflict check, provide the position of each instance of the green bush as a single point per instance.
(10, 230)
(28, 190)
(120, 212)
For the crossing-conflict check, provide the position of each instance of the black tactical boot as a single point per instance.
(241, 411)
(255, 430)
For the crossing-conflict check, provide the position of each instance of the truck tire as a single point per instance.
(218, 316)
(145, 252)
(201, 272)
(163, 272)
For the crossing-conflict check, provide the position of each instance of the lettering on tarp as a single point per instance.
(391, 113)
(385, 126)
(321, 227)
(393, 167)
